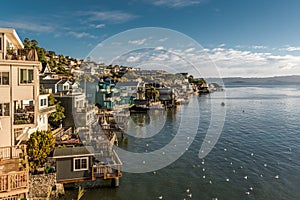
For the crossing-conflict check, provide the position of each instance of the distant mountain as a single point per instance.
(277, 80)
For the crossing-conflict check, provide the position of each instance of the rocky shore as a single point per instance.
(44, 186)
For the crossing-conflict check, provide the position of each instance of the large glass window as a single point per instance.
(4, 78)
(4, 109)
(26, 76)
(80, 164)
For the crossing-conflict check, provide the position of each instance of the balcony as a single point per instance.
(14, 183)
(24, 116)
(48, 110)
(22, 54)
(14, 174)
(7, 153)
(107, 167)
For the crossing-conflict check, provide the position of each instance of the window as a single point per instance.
(26, 76)
(80, 164)
(65, 87)
(43, 102)
(4, 78)
(4, 109)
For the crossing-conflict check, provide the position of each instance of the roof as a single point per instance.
(63, 81)
(73, 152)
(50, 81)
(128, 84)
(12, 36)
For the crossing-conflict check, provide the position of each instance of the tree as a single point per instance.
(27, 43)
(56, 117)
(39, 146)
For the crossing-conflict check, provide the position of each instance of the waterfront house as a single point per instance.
(77, 164)
(167, 97)
(105, 94)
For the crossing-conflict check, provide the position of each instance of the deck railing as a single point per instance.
(10, 152)
(13, 181)
(111, 169)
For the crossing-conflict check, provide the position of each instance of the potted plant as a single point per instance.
(10, 52)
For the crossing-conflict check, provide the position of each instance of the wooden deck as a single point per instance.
(108, 168)
(14, 179)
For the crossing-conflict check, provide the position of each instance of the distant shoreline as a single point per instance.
(277, 80)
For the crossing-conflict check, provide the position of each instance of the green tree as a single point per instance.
(39, 146)
(57, 116)
(51, 100)
(27, 43)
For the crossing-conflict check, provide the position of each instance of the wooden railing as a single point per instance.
(110, 169)
(10, 152)
(13, 181)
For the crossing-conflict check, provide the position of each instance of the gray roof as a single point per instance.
(50, 81)
(73, 151)
(127, 84)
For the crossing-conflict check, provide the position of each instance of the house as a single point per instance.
(56, 85)
(77, 110)
(20, 110)
(82, 163)
(167, 96)
(203, 88)
(23, 110)
(105, 94)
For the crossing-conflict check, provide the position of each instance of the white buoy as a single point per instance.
(160, 197)
(277, 176)
(227, 179)
(247, 193)
(251, 188)
(245, 177)
(188, 190)
(190, 195)
(265, 165)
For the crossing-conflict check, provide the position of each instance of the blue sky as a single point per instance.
(243, 37)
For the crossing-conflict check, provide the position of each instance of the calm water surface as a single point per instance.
(259, 148)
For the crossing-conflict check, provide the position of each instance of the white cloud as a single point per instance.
(159, 48)
(258, 47)
(29, 26)
(108, 16)
(97, 25)
(137, 42)
(82, 35)
(163, 39)
(189, 50)
(291, 48)
(133, 59)
(175, 3)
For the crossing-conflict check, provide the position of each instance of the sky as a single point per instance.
(246, 38)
